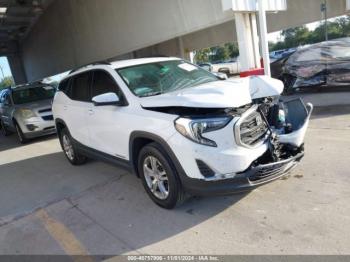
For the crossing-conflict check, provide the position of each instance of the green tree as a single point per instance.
(202, 56)
(219, 53)
(7, 82)
(232, 49)
(295, 37)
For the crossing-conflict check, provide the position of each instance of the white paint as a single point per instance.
(106, 98)
(263, 37)
(108, 128)
(297, 138)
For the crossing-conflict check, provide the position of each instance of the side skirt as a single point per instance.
(98, 155)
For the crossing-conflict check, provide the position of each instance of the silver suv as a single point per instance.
(26, 110)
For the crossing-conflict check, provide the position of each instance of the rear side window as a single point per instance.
(80, 89)
(104, 83)
(64, 86)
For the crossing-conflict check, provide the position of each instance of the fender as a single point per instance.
(153, 138)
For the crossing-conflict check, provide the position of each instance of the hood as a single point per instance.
(37, 104)
(219, 94)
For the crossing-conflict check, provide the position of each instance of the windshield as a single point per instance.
(29, 95)
(163, 77)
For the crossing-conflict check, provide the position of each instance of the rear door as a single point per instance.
(78, 106)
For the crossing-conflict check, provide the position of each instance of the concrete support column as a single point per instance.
(263, 37)
(17, 68)
(248, 41)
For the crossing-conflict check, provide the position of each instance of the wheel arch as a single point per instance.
(60, 124)
(139, 139)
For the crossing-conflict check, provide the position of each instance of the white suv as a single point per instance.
(178, 127)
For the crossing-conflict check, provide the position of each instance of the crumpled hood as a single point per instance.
(219, 94)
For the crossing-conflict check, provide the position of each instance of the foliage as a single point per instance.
(217, 53)
(7, 82)
(301, 35)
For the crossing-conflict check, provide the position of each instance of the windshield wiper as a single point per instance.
(152, 94)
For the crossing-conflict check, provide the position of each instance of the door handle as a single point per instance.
(65, 108)
(91, 112)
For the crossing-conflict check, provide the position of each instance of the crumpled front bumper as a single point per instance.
(261, 172)
(255, 176)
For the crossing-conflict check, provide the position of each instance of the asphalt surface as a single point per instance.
(48, 206)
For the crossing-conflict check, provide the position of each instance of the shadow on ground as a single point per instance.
(103, 195)
(330, 111)
(11, 141)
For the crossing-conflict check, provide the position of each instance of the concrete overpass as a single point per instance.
(70, 33)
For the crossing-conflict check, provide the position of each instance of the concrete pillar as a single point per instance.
(17, 68)
(248, 40)
(263, 37)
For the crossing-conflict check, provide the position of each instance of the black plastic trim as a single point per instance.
(241, 182)
(95, 154)
(146, 135)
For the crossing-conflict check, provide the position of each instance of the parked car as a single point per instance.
(232, 67)
(209, 67)
(27, 111)
(323, 64)
(279, 54)
(179, 128)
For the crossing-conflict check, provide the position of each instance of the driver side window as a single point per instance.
(104, 83)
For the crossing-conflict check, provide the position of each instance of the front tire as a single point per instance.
(21, 137)
(3, 128)
(70, 151)
(159, 177)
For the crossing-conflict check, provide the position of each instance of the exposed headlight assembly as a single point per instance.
(26, 113)
(194, 128)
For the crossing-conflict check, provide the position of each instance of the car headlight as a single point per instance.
(194, 129)
(27, 113)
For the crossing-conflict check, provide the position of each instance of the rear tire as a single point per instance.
(159, 177)
(70, 151)
(4, 130)
(21, 137)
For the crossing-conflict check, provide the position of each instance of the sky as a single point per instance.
(5, 67)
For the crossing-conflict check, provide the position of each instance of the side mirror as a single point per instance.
(220, 76)
(106, 99)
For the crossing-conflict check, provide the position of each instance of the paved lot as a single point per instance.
(99, 209)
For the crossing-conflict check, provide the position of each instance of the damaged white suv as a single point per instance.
(180, 128)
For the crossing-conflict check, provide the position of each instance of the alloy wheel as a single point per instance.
(156, 177)
(68, 147)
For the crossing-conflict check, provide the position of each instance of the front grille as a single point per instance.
(48, 118)
(45, 110)
(269, 171)
(251, 129)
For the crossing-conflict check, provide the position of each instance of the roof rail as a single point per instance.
(90, 64)
(155, 55)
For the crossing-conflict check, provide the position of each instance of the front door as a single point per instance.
(107, 129)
